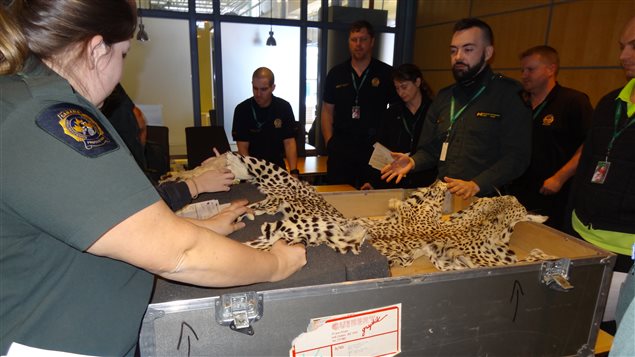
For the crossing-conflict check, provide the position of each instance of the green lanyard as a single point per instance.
(360, 84)
(454, 116)
(617, 133)
(539, 109)
(258, 123)
(409, 129)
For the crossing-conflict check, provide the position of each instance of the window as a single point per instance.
(162, 66)
(244, 50)
(155, 70)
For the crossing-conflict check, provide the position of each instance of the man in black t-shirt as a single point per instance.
(356, 93)
(264, 126)
(561, 119)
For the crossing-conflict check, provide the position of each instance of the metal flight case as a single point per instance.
(545, 308)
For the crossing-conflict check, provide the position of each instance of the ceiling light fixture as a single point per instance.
(271, 41)
(142, 35)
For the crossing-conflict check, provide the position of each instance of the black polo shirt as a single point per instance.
(609, 206)
(352, 142)
(560, 124)
(400, 133)
(375, 92)
(265, 128)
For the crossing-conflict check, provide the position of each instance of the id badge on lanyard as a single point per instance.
(444, 151)
(602, 167)
(356, 110)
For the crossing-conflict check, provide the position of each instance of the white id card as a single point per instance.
(444, 151)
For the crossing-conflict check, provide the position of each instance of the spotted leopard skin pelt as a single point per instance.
(477, 236)
(307, 217)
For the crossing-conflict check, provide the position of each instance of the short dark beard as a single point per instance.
(465, 77)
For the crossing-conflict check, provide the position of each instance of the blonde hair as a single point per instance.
(13, 47)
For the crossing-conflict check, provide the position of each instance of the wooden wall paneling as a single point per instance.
(438, 79)
(485, 7)
(432, 47)
(596, 83)
(515, 32)
(586, 33)
(437, 11)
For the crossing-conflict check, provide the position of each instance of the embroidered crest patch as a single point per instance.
(77, 128)
(548, 120)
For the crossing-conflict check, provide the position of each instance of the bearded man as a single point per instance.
(478, 130)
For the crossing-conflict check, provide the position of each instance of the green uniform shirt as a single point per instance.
(490, 141)
(67, 178)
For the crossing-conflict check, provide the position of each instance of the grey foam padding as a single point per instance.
(324, 265)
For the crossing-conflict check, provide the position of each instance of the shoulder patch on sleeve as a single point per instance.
(77, 128)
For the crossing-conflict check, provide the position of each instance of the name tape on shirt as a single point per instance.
(487, 115)
(77, 128)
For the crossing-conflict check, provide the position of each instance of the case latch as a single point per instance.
(555, 274)
(239, 310)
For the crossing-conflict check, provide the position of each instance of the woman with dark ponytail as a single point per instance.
(403, 120)
(82, 230)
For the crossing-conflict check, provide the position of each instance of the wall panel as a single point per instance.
(511, 35)
(485, 7)
(586, 33)
(594, 82)
(437, 11)
(432, 47)
(438, 79)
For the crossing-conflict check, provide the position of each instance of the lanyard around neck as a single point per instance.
(410, 129)
(360, 84)
(540, 108)
(454, 116)
(259, 124)
(616, 132)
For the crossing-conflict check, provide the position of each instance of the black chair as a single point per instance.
(157, 151)
(200, 141)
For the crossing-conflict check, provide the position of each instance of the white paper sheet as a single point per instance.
(19, 350)
(201, 210)
(380, 157)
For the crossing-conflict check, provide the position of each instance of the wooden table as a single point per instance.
(312, 168)
(311, 165)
